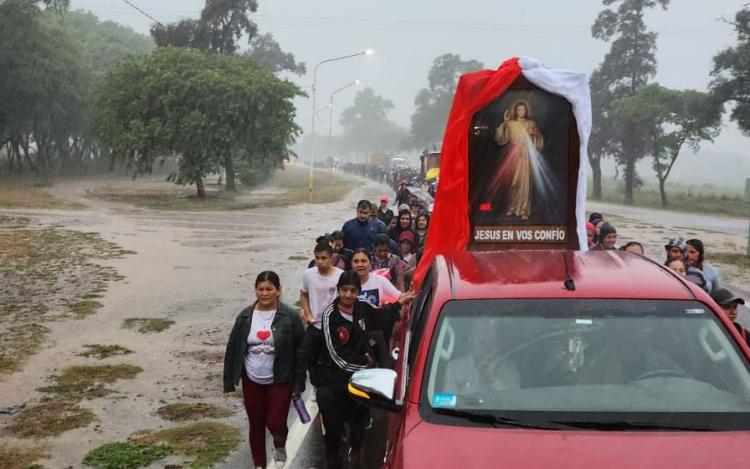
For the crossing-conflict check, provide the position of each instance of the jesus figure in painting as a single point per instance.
(522, 142)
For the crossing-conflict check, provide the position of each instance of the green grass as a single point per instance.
(19, 342)
(46, 274)
(84, 308)
(125, 456)
(147, 325)
(50, 419)
(294, 181)
(101, 352)
(705, 199)
(87, 382)
(740, 260)
(180, 412)
(20, 457)
(28, 195)
(205, 443)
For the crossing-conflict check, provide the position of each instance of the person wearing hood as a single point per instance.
(729, 302)
(359, 232)
(608, 238)
(676, 248)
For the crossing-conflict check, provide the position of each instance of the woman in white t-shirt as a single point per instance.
(265, 353)
(376, 289)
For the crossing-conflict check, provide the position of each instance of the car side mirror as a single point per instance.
(375, 387)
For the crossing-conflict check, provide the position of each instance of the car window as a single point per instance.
(418, 319)
(584, 356)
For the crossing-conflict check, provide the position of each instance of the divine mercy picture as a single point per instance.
(519, 151)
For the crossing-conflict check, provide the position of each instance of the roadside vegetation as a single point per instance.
(27, 194)
(50, 419)
(101, 352)
(180, 412)
(77, 383)
(46, 274)
(18, 456)
(284, 187)
(705, 199)
(147, 325)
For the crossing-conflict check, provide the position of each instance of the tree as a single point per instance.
(661, 121)
(199, 105)
(366, 124)
(731, 71)
(628, 65)
(433, 103)
(221, 26)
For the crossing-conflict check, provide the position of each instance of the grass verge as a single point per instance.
(681, 198)
(87, 382)
(101, 352)
(46, 274)
(205, 443)
(737, 259)
(20, 457)
(28, 195)
(292, 184)
(183, 412)
(147, 325)
(125, 456)
(50, 419)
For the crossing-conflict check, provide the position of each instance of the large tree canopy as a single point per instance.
(367, 127)
(433, 103)
(199, 105)
(220, 28)
(731, 71)
(628, 65)
(660, 122)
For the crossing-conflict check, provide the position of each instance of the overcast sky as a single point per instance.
(407, 35)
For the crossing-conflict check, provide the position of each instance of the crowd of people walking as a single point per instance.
(351, 297)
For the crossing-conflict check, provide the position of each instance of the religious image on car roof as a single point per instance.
(519, 161)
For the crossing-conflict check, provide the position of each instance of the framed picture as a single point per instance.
(523, 169)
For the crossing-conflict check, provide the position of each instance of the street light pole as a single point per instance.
(330, 115)
(314, 83)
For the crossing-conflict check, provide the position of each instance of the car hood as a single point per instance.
(429, 445)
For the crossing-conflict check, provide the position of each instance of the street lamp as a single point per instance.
(315, 80)
(330, 116)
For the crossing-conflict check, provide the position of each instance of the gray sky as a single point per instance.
(408, 34)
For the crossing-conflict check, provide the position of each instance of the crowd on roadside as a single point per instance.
(686, 258)
(350, 301)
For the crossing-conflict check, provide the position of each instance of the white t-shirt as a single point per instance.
(260, 348)
(377, 289)
(320, 290)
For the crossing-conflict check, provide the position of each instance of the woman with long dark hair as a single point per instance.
(265, 353)
(422, 225)
(403, 224)
(696, 253)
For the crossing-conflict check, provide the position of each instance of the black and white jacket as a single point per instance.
(344, 346)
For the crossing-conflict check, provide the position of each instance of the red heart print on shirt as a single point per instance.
(263, 335)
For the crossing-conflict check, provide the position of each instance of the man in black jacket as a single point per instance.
(352, 340)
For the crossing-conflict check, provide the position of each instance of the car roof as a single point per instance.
(542, 274)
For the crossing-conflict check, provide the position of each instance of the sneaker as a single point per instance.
(314, 395)
(279, 456)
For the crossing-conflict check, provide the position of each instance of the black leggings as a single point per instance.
(339, 410)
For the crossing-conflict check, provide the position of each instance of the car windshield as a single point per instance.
(647, 364)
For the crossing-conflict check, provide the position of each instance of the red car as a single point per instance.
(540, 359)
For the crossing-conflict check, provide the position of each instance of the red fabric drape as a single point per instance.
(449, 224)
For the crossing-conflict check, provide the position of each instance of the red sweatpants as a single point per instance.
(267, 406)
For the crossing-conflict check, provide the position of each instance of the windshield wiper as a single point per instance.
(496, 420)
(631, 425)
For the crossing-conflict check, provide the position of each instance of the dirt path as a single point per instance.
(195, 268)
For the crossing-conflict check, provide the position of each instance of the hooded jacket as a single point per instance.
(288, 363)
